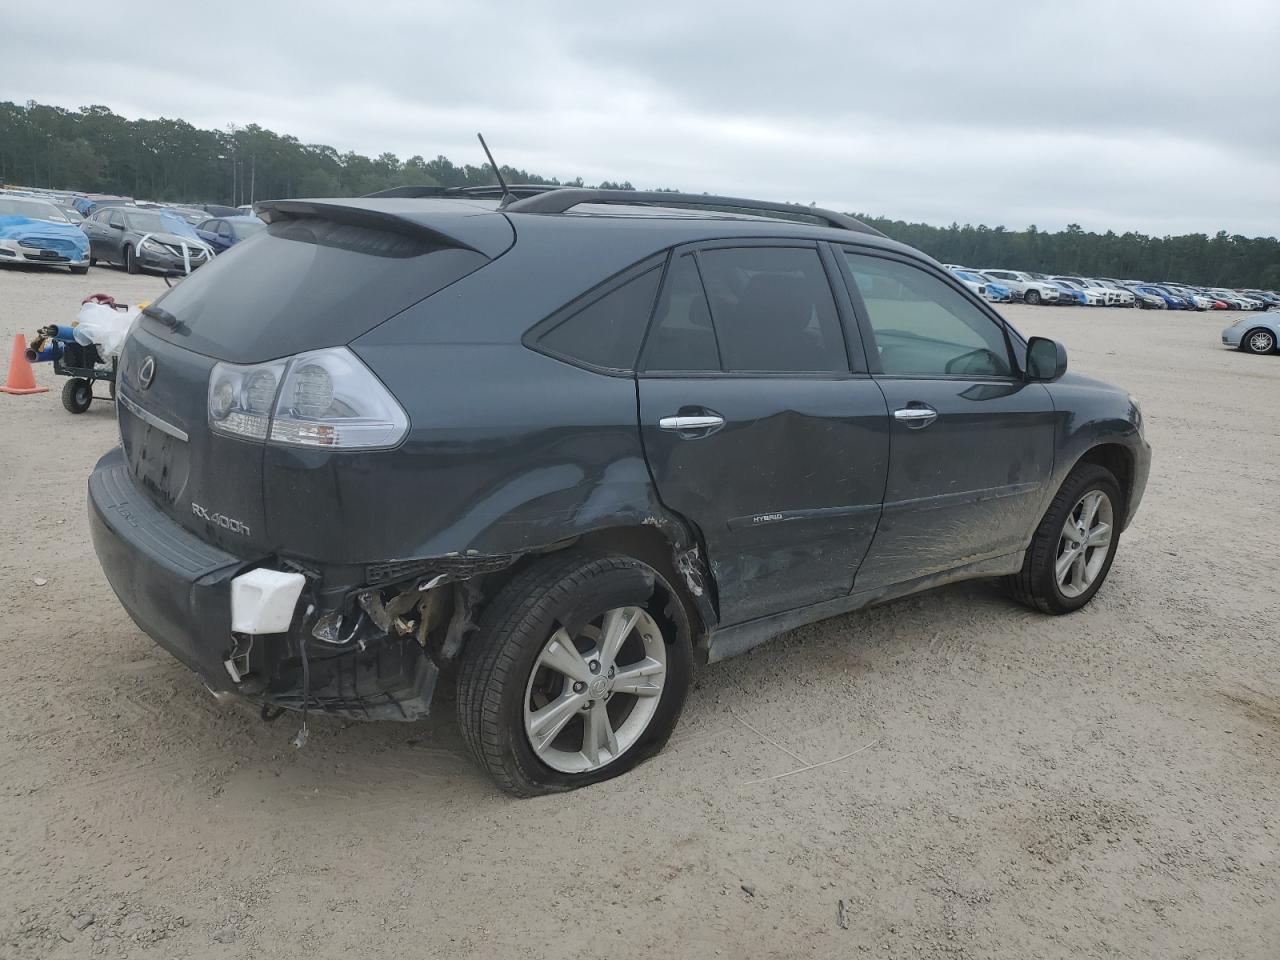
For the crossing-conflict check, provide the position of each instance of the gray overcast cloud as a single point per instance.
(1131, 114)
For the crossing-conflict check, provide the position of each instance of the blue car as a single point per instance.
(222, 233)
(1171, 300)
(1073, 295)
(35, 231)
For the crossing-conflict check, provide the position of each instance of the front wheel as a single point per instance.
(130, 261)
(79, 270)
(578, 672)
(1032, 297)
(77, 394)
(1075, 544)
(1259, 341)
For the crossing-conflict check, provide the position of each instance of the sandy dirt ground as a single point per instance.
(1099, 785)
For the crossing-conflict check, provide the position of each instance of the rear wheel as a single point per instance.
(579, 672)
(1259, 341)
(1032, 297)
(77, 394)
(1075, 544)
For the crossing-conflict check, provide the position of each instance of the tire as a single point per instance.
(80, 270)
(1032, 297)
(1037, 584)
(130, 261)
(504, 680)
(93, 261)
(1259, 341)
(77, 394)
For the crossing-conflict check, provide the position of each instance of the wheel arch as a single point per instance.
(662, 542)
(1119, 460)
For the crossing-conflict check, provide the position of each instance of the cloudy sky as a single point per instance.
(1157, 115)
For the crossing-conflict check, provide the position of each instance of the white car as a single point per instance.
(1033, 291)
(1120, 296)
(1107, 297)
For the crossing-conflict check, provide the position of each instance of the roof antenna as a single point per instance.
(507, 195)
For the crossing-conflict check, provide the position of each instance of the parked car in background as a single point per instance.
(1069, 295)
(995, 292)
(1193, 299)
(1026, 287)
(1253, 334)
(222, 233)
(35, 231)
(970, 280)
(219, 210)
(71, 213)
(1092, 297)
(1102, 295)
(1148, 299)
(87, 203)
(141, 240)
(1175, 300)
(1269, 299)
(192, 215)
(1119, 296)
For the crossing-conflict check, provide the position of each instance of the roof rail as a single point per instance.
(562, 199)
(519, 189)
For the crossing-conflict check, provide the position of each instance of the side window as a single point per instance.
(923, 327)
(606, 332)
(773, 310)
(115, 219)
(682, 338)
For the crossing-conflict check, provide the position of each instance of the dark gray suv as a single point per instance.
(561, 446)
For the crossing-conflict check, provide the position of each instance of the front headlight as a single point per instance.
(153, 245)
(324, 398)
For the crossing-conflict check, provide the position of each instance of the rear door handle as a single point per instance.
(916, 417)
(689, 424)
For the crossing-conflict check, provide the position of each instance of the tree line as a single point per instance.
(95, 150)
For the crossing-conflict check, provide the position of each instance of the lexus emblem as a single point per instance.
(147, 372)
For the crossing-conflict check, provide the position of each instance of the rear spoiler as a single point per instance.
(450, 225)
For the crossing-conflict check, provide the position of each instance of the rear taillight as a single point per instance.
(324, 398)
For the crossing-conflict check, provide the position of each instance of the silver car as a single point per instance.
(1253, 334)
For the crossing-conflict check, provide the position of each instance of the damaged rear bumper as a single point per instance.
(178, 590)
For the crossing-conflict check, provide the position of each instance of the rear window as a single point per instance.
(302, 285)
(607, 332)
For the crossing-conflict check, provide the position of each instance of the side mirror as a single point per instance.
(1046, 360)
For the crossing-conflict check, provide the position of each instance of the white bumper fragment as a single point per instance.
(263, 601)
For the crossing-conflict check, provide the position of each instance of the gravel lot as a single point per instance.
(1100, 785)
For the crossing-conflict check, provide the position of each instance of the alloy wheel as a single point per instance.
(590, 697)
(1084, 543)
(1260, 341)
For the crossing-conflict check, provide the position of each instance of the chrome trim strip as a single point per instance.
(146, 416)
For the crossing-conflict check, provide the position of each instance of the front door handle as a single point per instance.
(692, 424)
(916, 416)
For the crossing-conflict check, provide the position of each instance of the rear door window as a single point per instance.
(773, 310)
(924, 327)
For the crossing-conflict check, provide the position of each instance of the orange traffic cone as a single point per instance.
(21, 379)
